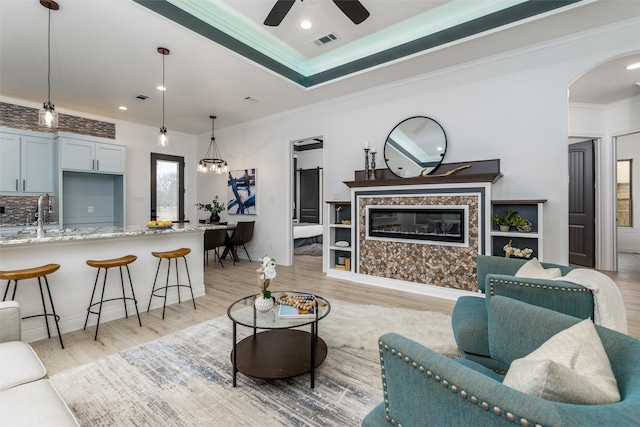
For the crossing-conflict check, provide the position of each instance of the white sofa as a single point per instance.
(27, 397)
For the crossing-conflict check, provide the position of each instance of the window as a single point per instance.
(624, 193)
(167, 187)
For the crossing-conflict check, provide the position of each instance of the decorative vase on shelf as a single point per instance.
(504, 227)
(527, 227)
(214, 218)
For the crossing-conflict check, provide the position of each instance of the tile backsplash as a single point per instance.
(20, 210)
(26, 118)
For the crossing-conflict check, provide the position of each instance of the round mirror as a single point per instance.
(415, 147)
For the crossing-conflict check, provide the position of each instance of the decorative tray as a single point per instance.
(159, 227)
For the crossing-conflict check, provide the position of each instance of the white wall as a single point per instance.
(141, 141)
(511, 107)
(628, 147)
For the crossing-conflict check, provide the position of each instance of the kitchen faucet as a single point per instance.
(40, 232)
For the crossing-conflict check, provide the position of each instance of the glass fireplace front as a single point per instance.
(422, 223)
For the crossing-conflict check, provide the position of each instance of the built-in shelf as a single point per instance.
(531, 210)
(339, 256)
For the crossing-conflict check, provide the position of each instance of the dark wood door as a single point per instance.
(581, 204)
(310, 196)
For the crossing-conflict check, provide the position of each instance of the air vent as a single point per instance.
(326, 39)
(142, 97)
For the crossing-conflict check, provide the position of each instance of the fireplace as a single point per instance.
(445, 225)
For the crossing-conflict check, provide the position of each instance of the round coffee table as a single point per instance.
(279, 351)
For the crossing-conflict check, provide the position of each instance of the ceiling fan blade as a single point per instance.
(279, 11)
(353, 9)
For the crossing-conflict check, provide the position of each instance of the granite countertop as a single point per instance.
(69, 234)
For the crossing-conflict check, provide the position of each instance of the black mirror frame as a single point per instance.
(441, 155)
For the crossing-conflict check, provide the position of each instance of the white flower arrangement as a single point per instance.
(268, 268)
(516, 252)
(266, 273)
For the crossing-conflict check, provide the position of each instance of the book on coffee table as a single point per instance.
(290, 312)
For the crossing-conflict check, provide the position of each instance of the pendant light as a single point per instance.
(163, 139)
(212, 161)
(47, 117)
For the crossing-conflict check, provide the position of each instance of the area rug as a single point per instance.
(185, 379)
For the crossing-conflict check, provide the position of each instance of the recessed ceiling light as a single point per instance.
(123, 108)
(160, 87)
(305, 25)
(633, 66)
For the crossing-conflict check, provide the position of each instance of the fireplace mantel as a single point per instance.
(479, 171)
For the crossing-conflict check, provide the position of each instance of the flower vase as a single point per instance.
(214, 218)
(263, 304)
(504, 228)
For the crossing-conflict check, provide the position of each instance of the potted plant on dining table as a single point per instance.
(215, 207)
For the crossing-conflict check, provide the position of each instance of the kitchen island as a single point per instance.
(72, 284)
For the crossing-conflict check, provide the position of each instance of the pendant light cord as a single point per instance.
(165, 89)
(49, 60)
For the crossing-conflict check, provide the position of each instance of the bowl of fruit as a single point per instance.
(159, 225)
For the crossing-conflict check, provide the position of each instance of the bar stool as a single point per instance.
(106, 265)
(32, 273)
(169, 255)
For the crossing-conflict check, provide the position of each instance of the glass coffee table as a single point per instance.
(279, 351)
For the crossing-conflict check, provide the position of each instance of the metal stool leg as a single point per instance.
(104, 285)
(154, 284)
(188, 278)
(166, 288)
(177, 278)
(124, 297)
(44, 307)
(6, 291)
(135, 301)
(56, 318)
(95, 284)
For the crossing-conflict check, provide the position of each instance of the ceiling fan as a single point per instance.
(352, 8)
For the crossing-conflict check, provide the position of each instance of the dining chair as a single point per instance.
(240, 237)
(214, 239)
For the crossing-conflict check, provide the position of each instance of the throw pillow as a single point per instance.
(570, 367)
(532, 269)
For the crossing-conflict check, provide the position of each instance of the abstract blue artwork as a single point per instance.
(241, 192)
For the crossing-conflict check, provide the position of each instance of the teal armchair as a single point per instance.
(496, 276)
(424, 388)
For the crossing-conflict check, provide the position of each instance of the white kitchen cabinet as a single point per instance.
(87, 154)
(26, 162)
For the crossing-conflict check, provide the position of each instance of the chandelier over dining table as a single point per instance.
(212, 161)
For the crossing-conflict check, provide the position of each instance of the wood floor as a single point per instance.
(228, 284)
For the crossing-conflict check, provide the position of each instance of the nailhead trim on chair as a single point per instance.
(531, 285)
(445, 383)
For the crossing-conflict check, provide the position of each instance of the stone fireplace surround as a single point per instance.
(420, 263)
